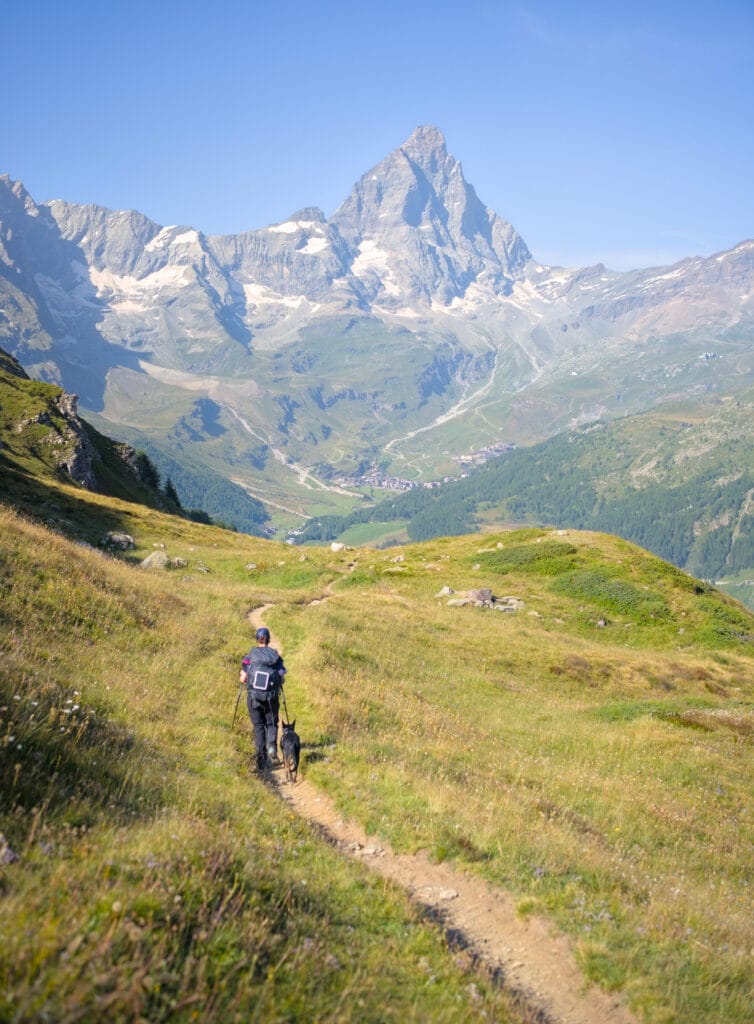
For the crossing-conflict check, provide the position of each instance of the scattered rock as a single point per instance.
(398, 558)
(372, 850)
(482, 598)
(432, 894)
(157, 560)
(177, 563)
(118, 541)
(601, 623)
(7, 856)
(337, 546)
(251, 566)
(201, 567)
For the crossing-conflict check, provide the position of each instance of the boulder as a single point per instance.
(337, 546)
(509, 604)
(157, 560)
(118, 541)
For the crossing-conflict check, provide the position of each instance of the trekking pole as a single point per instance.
(238, 700)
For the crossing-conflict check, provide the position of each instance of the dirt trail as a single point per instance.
(533, 961)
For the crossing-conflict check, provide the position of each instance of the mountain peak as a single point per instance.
(426, 138)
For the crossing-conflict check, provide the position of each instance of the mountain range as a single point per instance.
(382, 345)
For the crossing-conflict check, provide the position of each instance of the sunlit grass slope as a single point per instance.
(146, 875)
(590, 752)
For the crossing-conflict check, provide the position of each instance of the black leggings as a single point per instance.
(264, 720)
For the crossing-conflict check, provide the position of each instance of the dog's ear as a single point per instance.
(293, 724)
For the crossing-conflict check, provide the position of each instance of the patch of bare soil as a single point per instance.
(528, 955)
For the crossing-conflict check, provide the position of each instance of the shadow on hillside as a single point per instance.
(68, 765)
(75, 517)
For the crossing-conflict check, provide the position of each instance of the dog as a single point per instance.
(290, 744)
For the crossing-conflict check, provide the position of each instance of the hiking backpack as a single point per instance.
(262, 677)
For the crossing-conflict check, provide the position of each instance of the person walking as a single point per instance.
(263, 674)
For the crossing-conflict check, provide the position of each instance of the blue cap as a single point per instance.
(263, 634)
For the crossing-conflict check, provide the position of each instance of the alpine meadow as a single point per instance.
(495, 514)
(557, 714)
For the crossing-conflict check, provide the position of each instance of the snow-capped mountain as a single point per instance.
(412, 324)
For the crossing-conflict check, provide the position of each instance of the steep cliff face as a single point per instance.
(40, 429)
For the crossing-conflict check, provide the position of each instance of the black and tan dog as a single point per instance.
(290, 744)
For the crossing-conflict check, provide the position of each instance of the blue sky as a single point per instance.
(621, 133)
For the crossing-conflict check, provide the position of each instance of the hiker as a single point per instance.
(263, 674)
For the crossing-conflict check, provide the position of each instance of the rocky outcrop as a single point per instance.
(116, 541)
(481, 597)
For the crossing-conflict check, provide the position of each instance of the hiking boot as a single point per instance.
(272, 755)
(260, 763)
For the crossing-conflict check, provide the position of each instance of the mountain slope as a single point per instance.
(43, 440)
(409, 328)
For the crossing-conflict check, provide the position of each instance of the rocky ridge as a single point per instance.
(414, 310)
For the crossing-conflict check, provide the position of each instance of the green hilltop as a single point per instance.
(558, 712)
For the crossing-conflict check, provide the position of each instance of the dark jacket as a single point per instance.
(264, 672)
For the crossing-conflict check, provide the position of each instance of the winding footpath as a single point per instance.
(528, 956)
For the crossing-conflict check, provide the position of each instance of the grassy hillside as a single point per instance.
(590, 752)
(156, 879)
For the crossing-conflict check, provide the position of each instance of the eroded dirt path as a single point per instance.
(531, 958)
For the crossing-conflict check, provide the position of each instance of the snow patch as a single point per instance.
(187, 238)
(167, 277)
(370, 258)
(128, 306)
(261, 295)
(161, 239)
(289, 227)
(314, 245)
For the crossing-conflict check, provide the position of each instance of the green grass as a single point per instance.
(601, 774)
(156, 878)
(375, 534)
(598, 777)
